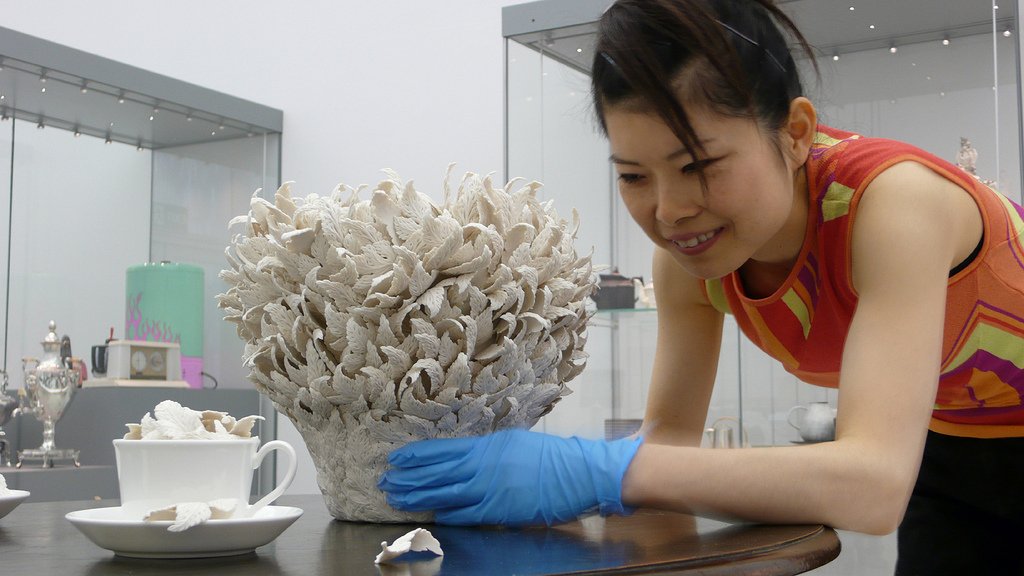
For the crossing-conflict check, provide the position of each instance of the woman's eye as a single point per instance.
(697, 166)
(629, 179)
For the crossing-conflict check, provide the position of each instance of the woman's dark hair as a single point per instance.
(727, 54)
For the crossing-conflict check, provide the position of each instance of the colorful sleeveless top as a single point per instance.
(805, 322)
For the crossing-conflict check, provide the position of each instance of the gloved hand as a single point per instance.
(512, 477)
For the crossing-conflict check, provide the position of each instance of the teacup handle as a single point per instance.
(288, 477)
(792, 411)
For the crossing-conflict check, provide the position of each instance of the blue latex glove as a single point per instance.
(512, 477)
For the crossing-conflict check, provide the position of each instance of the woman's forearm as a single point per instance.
(833, 483)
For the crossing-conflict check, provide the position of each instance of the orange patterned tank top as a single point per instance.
(804, 324)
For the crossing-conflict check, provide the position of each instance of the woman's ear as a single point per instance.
(800, 128)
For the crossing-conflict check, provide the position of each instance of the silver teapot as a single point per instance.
(50, 384)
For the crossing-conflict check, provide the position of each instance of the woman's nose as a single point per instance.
(677, 201)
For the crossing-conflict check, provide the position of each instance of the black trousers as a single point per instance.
(966, 515)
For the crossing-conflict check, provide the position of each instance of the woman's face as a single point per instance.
(749, 210)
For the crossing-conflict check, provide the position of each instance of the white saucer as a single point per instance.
(108, 528)
(11, 501)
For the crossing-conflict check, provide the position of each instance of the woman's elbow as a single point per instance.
(880, 524)
(883, 502)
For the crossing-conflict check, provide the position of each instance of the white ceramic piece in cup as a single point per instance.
(816, 422)
(154, 474)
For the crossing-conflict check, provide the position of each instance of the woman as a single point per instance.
(860, 263)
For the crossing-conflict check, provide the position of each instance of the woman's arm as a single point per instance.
(686, 357)
(911, 227)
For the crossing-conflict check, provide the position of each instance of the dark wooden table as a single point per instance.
(36, 539)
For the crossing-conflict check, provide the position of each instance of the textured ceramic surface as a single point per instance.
(373, 323)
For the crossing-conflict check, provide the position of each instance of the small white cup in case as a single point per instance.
(155, 474)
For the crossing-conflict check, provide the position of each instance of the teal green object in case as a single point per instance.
(165, 304)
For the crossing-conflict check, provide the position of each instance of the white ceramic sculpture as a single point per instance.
(373, 323)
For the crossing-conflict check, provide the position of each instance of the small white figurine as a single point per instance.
(967, 157)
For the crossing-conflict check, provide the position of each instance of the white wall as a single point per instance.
(405, 84)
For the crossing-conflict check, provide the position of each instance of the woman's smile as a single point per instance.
(693, 244)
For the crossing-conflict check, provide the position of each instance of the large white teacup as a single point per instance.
(155, 474)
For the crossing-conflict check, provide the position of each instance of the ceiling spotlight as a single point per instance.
(107, 140)
(852, 8)
(42, 76)
(43, 90)
(84, 87)
(945, 41)
(835, 57)
(40, 125)
(188, 118)
(120, 97)
(872, 26)
(77, 132)
(1007, 33)
(139, 146)
(893, 50)
(151, 117)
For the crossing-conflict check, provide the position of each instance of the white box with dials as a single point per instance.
(140, 360)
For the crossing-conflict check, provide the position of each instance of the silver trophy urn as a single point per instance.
(8, 405)
(50, 384)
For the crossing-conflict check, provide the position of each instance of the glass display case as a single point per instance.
(106, 166)
(900, 70)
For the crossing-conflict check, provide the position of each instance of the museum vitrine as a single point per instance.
(104, 166)
(939, 79)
